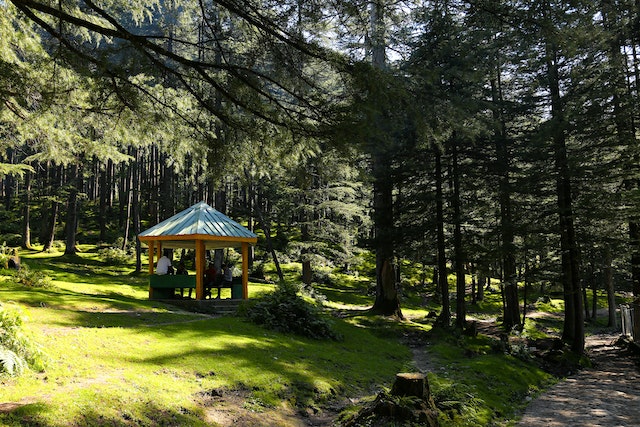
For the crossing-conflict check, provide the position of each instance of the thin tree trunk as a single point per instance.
(267, 234)
(594, 292)
(103, 195)
(474, 284)
(136, 207)
(128, 208)
(9, 182)
(26, 213)
(461, 285)
(443, 284)
(72, 213)
(608, 282)
(511, 311)
(526, 288)
(51, 228)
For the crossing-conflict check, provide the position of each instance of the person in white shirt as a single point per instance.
(164, 265)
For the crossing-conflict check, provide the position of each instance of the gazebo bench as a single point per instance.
(163, 286)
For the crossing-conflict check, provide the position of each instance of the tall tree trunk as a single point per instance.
(266, 227)
(72, 212)
(26, 213)
(387, 300)
(249, 204)
(136, 207)
(511, 311)
(128, 208)
(443, 284)
(51, 226)
(103, 201)
(526, 288)
(573, 331)
(9, 182)
(608, 282)
(461, 286)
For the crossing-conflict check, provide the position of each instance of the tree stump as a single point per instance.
(385, 409)
(411, 384)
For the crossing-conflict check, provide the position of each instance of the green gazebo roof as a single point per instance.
(199, 222)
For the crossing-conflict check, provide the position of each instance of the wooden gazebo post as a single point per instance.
(245, 270)
(200, 261)
(151, 255)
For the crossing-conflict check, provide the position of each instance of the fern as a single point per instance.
(11, 363)
(17, 351)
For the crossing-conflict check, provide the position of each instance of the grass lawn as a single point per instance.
(117, 359)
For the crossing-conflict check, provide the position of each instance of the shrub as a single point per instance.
(6, 253)
(114, 256)
(32, 278)
(284, 310)
(17, 351)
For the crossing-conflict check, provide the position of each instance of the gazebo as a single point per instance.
(201, 228)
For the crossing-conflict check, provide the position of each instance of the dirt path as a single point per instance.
(607, 395)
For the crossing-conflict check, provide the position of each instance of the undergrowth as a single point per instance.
(285, 310)
(32, 278)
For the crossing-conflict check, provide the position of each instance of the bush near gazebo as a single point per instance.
(285, 310)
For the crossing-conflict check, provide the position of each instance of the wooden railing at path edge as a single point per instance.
(630, 317)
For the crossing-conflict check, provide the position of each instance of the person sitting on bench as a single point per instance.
(210, 279)
(164, 264)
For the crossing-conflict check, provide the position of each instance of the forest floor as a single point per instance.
(605, 395)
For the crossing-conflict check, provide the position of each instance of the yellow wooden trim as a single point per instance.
(204, 237)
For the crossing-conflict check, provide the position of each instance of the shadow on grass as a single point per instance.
(270, 366)
(72, 301)
(78, 268)
(141, 414)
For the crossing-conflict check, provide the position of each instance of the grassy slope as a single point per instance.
(118, 359)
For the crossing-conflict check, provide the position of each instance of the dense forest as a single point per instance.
(482, 138)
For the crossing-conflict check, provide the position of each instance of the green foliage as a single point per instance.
(10, 363)
(5, 254)
(284, 310)
(17, 351)
(32, 278)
